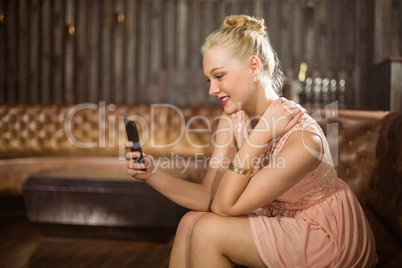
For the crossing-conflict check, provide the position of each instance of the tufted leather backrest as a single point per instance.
(97, 129)
(386, 195)
(30, 130)
(352, 136)
(197, 134)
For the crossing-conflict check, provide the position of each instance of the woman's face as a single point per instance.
(231, 80)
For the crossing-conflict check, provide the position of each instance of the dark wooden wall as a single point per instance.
(148, 51)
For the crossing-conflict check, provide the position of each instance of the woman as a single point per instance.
(279, 203)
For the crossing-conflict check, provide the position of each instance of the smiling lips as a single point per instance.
(224, 99)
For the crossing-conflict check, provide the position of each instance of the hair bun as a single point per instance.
(248, 23)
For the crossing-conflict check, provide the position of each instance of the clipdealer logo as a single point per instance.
(149, 129)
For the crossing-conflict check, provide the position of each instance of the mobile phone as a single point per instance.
(132, 135)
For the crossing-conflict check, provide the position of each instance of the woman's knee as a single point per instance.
(187, 222)
(206, 229)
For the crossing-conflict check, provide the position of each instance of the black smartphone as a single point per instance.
(132, 135)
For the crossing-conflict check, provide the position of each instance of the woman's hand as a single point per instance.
(280, 117)
(137, 170)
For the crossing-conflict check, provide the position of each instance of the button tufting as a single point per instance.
(350, 142)
(347, 170)
(368, 131)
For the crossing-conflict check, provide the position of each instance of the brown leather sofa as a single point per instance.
(86, 141)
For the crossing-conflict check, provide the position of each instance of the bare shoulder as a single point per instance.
(305, 146)
(307, 138)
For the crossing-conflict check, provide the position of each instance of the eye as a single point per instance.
(208, 80)
(219, 76)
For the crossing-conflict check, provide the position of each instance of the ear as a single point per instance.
(255, 65)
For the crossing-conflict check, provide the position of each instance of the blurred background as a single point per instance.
(148, 51)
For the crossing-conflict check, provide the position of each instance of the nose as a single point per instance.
(213, 89)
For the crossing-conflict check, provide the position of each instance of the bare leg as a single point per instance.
(179, 257)
(217, 241)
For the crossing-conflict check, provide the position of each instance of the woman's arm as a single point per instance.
(277, 120)
(238, 194)
(191, 195)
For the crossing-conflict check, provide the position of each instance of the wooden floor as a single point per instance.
(21, 245)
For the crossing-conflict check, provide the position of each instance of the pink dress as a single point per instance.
(316, 223)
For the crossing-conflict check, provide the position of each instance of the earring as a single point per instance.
(256, 78)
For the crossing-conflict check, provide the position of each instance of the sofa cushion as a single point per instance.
(388, 249)
(386, 195)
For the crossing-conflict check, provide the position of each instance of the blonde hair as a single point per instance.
(245, 36)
